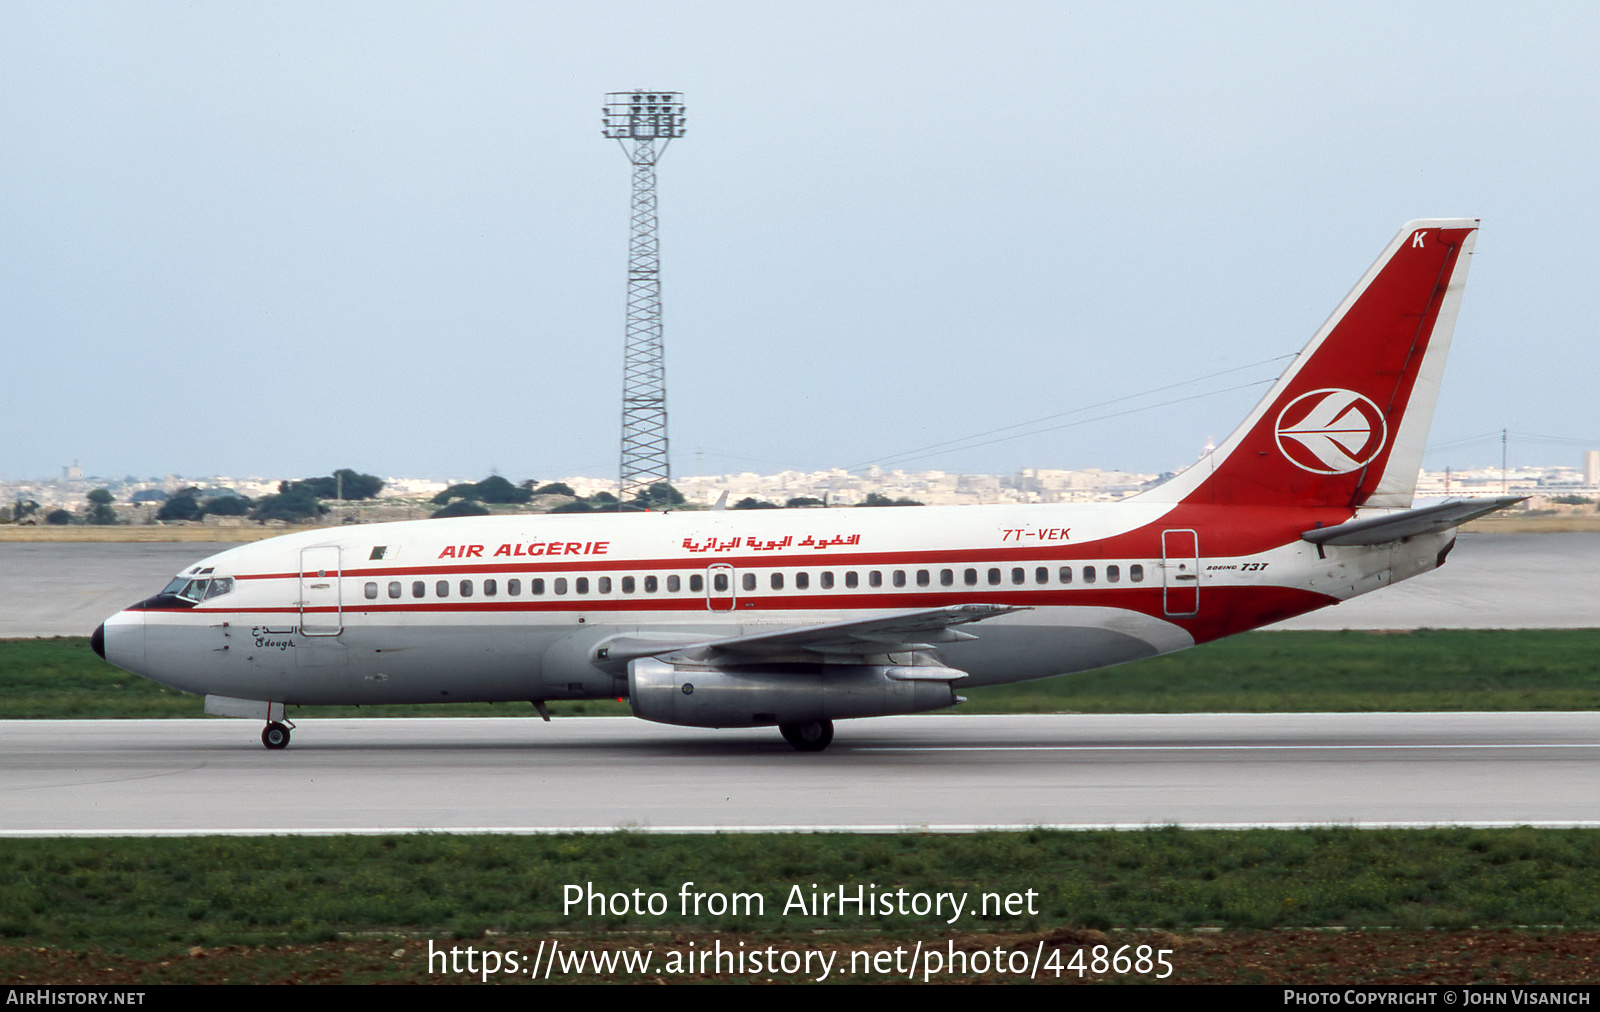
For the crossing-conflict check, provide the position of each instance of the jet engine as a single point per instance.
(757, 695)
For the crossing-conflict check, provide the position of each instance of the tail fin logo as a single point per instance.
(1331, 431)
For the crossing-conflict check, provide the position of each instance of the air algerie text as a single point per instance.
(523, 550)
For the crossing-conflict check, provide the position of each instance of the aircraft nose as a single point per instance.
(120, 640)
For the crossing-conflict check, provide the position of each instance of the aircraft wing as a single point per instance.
(906, 631)
(1409, 523)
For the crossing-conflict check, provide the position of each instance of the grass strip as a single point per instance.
(1349, 671)
(1429, 669)
(148, 896)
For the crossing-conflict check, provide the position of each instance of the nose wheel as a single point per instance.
(275, 735)
(808, 736)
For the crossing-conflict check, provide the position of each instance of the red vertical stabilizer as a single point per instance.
(1346, 424)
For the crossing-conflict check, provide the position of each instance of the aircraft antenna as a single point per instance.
(636, 120)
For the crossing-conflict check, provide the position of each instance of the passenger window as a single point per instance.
(673, 584)
(442, 588)
(802, 581)
(749, 581)
(603, 585)
(970, 577)
(651, 585)
(720, 583)
(1065, 574)
(371, 590)
(627, 585)
(827, 580)
(536, 587)
(851, 580)
(560, 585)
(946, 577)
(697, 583)
(1088, 574)
(874, 579)
(580, 585)
(490, 588)
(514, 588)
(899, 578)
(777, 581)
(1018, 576)
(394, 590)
(466, 588)
(419, 589)
(1113, 574)
(1136, 573)
(994, 577)
(1041, 575)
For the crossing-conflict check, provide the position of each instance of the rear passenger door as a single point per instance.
(1180, 573)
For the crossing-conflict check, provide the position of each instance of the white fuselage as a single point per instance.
(521, 607)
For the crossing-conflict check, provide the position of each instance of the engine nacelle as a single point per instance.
(759, 696)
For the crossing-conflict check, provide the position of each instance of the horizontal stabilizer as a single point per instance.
(1409, 523)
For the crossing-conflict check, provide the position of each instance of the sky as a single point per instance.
(278, 239)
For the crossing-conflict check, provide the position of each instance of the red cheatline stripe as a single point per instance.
(1130, 597)
(599, 564)
(1145, 599)
(977, 558)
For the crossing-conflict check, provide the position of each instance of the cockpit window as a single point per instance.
(196, 591)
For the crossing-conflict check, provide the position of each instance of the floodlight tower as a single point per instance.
(636, 120)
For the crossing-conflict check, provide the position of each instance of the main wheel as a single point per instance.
(275, 736)
(808, 736)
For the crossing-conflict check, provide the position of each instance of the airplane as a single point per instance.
(800, 617)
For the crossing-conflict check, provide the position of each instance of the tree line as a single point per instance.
(294, 502)
(304, 500)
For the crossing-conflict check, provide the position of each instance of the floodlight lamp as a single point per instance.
(642, 116)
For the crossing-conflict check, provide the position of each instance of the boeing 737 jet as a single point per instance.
(797, 618)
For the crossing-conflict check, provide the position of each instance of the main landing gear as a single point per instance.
(275, 735)
(808, 736)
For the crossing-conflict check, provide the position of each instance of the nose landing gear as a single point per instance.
(276, 735)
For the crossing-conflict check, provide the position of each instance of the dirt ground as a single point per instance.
(1274, 957)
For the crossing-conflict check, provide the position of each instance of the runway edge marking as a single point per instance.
(948, 829)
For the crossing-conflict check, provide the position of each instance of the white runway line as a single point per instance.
(1199, 748)
(939, 830)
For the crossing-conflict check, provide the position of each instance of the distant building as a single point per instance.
(1591, 468)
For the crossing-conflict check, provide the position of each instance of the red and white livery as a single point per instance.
(796, 618)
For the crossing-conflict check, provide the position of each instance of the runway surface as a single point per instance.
(936, 773)
(67, 589)
(1492, 581)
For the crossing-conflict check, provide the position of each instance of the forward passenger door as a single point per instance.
(321, 606)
